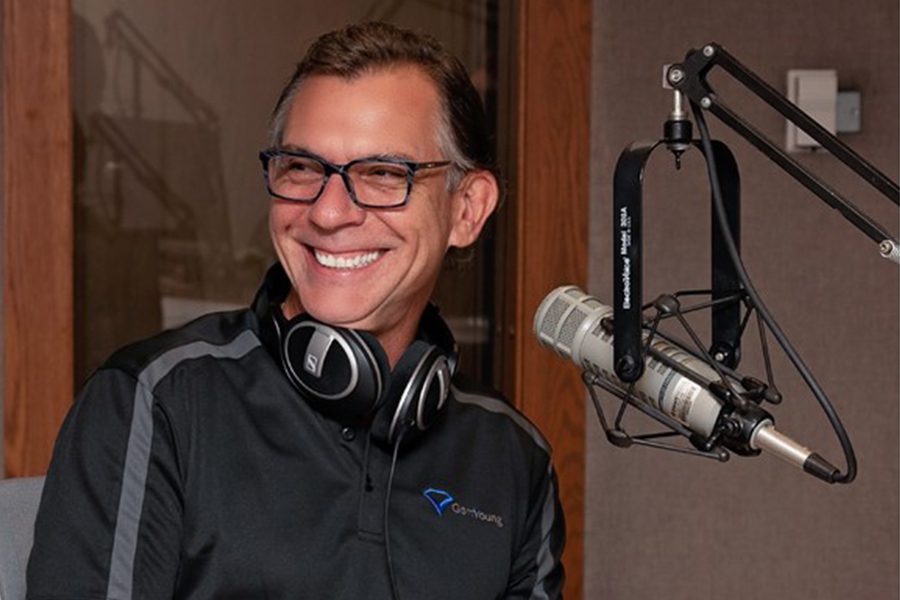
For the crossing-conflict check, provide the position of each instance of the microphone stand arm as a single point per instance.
(731, 288)
(628, 298)
(689, 78)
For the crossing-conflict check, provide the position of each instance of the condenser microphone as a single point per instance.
(571, 323)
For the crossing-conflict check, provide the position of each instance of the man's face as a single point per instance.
(356, 267)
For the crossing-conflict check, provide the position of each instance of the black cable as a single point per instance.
(395, 591)
(762, 311)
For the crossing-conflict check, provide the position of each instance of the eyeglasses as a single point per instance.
(371, 182)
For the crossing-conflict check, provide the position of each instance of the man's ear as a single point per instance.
(474, 199)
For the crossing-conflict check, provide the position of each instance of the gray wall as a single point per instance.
(661, 525)
(2, 278)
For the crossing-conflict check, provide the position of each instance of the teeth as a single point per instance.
(341, 262)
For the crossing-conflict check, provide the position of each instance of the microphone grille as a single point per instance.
(570, 327)
(566, 319)
(559, 317)
(552, 317)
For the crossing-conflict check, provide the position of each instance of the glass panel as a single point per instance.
(172, 101)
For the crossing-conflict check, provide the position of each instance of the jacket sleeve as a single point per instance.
(109, 521)
(537, 568)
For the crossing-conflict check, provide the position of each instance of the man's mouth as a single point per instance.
(347, 262)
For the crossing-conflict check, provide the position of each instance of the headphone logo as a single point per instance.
(312, 362)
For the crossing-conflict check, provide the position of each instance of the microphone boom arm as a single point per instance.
(690, 78)
(745, 427)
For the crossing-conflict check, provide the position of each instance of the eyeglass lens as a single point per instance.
(372, 183)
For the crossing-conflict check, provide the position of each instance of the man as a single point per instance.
(311, 446)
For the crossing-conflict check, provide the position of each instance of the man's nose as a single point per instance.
(335, 208)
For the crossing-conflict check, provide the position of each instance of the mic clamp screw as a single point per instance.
(626, 366)
(676, 75)
(708, 51)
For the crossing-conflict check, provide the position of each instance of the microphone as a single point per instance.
(675, 382)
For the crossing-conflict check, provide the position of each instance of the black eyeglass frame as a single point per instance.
(330, 169)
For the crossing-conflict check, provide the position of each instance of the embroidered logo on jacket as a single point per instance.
(440, 500)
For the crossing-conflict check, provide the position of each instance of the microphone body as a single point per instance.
(570, 322)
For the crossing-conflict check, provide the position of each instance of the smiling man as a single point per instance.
(369, 267)
(318, 444)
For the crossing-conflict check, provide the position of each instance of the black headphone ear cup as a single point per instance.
(420, 385)
(342, 373)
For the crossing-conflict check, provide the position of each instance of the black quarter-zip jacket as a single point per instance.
(189, 467)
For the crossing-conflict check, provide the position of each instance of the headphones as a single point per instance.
(344, 374)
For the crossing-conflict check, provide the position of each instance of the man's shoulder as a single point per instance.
(485, 404)
(213, 334)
